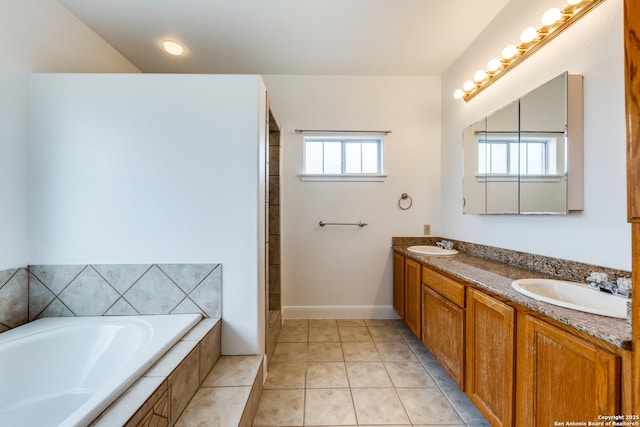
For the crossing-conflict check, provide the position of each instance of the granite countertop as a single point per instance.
(496, 277)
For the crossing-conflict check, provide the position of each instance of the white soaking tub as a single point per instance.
(64, 371)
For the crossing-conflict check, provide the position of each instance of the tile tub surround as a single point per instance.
(124, 289)
(14, 298)
(332, 372)
(162, 394)
(493, 269)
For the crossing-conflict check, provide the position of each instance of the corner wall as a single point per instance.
(346, 271)
(593, 47)
(154, 168)
(40, 36)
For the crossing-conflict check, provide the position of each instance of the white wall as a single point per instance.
(346, 271)
(151, 168)
(592, 47)
(38, 36)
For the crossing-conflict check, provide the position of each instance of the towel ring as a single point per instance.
(405, 196)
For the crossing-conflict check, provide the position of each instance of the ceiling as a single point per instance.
(350, 37)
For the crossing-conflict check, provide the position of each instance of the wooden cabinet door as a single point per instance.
(561, 377)
(443, 333)
(413, 302)
(490, 357)
(398, 284)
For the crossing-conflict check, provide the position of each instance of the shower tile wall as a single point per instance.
(124, 289)
(13, 298)
(274, 221)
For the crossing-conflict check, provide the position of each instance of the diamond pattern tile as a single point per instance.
(14, 298)
(39, 297)
(187, 307)
(187, 276)
(121, 308)
(208, 294)
(88, 294)
(154, 293)
(56, 277)
(113, 289)
(121, 276)
(56, 309)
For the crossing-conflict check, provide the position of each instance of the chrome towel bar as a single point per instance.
(360, 223)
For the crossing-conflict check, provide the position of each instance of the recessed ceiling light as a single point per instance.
(172, 47)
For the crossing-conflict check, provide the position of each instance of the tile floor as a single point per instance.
(358, 372)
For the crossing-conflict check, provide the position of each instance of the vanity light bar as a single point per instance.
(554, 22)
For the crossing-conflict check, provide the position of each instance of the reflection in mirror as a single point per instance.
(517, 159)
(502, 154)
(543, 160)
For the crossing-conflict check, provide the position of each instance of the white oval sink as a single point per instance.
(431, 250)
(573, 295)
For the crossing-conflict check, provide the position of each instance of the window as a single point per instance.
(346, 157)
(508, 156)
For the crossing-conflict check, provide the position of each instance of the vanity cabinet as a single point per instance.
(443, 322)
(490, 357)
(406, 291)
(398, 284)
(517, 366)
(562, 377)
(412, 306)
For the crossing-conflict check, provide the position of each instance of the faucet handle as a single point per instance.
(624, 286)
(597, 277)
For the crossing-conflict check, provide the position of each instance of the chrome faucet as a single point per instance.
(445, 244)
(600, 281)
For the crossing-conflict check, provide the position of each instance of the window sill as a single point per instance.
(344, 178)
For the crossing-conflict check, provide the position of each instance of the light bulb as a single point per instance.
(574, 2)
(509, 51)
(480, 75)
(528, 35)
(468, 86)
(493, 65)
(172, 47)
(458, 93)
(551, 16)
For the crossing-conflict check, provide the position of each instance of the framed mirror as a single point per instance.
(526, 158)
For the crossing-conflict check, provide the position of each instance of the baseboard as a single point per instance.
(339, 312)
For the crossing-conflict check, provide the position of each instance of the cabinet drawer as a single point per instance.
(448, 288)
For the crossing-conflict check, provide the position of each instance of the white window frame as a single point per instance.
(508, 142)
(343, 176)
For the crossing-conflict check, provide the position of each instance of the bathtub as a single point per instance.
(64, 371)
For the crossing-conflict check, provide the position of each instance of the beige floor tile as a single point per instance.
(378, 406)
(290, 352)
(354, 333)
(360, 351)
(296, 323)
(326, 375)
(351, 322)
(325, 352)
(409, 374)
(368, 374)
(438, 411)
(286, 375)
(379, 322)
(293, 334)
(324, 334)
(385, 333)
(280, 408)
(395, 351)
(322, 323)
(233, 371)
(329, 407)
(215, 406)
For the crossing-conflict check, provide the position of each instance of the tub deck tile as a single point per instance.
(233, 371)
